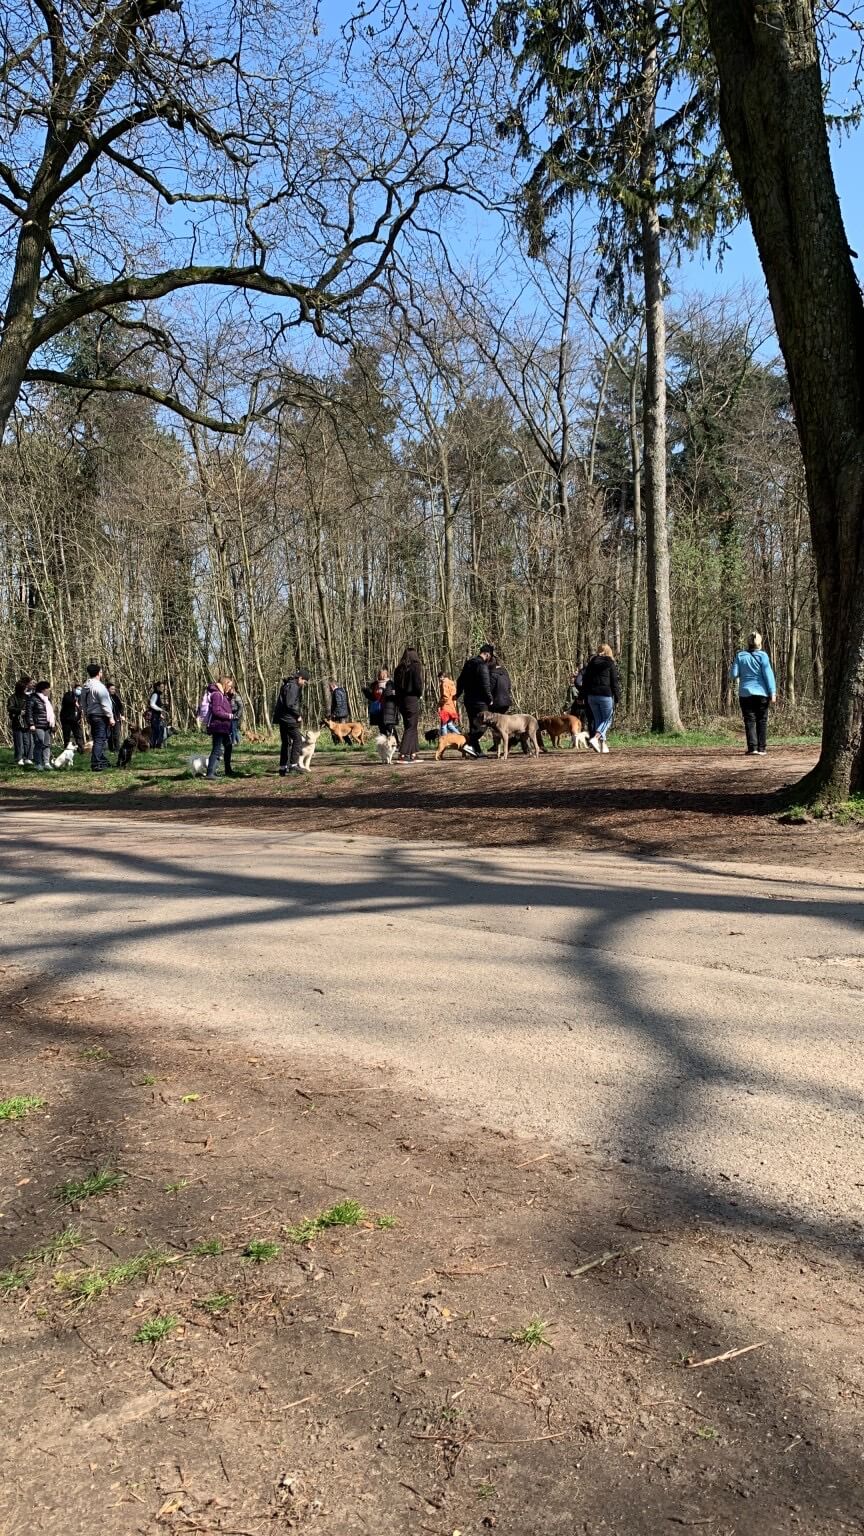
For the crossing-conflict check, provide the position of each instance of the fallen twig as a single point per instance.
(604, 1258)
(540, 1159)
(281, 1407)
(729, 1354)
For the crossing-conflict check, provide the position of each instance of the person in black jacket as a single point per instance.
(373, 693)
(40, 716)
(17, 710)
(288, 715)
(339, 702)
(501, 686)
(118, 730)
(71, 719)
(602, 688)
(388, 715)
(474, 686)
(408, 681)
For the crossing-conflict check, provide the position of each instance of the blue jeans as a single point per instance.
(220, 744)
(99, 732)
(602, 710)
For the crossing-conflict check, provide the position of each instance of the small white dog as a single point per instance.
(386, 747)
(580, 741)
(65, 758)
(310, 742)
(197, 766)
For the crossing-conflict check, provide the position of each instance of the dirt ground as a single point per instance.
(714, 803)
(371, 1379)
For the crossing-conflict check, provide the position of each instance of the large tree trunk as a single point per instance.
(633, 617)
(665, 714)
(773, 122)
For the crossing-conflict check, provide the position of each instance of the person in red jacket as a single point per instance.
(218, 723)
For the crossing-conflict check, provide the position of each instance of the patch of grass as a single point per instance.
(346, 1213)
(96, 1183)
(13, 1279)
(533, 1335)
(846, 813)
(210, 1247)
(189, 1098)
(147, 1080)
(707, 1432)
(94, 1053)
(260, 1250)
(55, 1247)
(218, 1304)
(86, 1285)
(386, 1223)
(19, 1106)
(175, 1188)
(486, 1490)
(155, 1329)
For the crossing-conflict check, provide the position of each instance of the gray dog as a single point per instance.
(505, 727)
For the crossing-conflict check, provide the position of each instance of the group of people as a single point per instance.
(483, 686)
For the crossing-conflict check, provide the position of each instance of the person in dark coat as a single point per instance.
(157, 716)
(218, 723)
(373, 693)
(40, 717)
(71, 718)
(501, 687)
(339, 709)
(288, 715)
(388, 717)
(576, 702)
(408, 682)
(474, 687)
(17, 710)
(236, 718)
(118, 730)
(602, 687)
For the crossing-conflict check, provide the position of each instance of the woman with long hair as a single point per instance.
(601, 686)
(218, 723)
(408, 681)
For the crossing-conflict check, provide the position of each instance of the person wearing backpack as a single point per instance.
(288, 715)
(98, 712)
(16, 709)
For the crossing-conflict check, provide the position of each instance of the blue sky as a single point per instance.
(741, 262)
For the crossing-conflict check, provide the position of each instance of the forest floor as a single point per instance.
(708, 800)
(497, 1335)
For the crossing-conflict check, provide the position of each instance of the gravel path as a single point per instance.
(702, 1021)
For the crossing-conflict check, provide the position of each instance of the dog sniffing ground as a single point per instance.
(488, 1335)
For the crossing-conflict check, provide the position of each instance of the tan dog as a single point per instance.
(556, 726)
(452, 739)
(507, 727)
(352, 733)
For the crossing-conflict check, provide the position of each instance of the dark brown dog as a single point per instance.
(556, 726)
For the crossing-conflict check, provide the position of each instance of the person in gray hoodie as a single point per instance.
(98, 711)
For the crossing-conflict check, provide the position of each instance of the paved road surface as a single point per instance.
(706, 1020)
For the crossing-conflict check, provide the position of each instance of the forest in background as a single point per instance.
(475, 473)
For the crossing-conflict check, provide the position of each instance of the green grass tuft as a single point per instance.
(260, 1251)
(218, 1304)
(386, 1223)
(147, 1080)
(190, 1098)
(94, 1053)
(346, 1213)
(13, 1279)
(208, 1248)
(97, 1183)
(19, 1106)
(86, 1285)
(533, 1335)
(155, 1329)
(175, 1188)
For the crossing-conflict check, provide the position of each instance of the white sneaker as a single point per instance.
(596, 744)
(20, 763)
(468, 751)
(604, 747)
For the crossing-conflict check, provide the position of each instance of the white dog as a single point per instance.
(197, 766)
(307, 752)
(386, 747)
(580, 740)
(65, 758)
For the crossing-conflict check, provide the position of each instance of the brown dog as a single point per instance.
(352, 733)
(556, 726)
(452, 739)
(507, 728)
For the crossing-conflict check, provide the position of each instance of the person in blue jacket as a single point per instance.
(757, 691)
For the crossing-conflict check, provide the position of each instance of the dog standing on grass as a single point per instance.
(307, 750)
(66, 758)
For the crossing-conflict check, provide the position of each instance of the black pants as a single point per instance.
(73, 730)
(410, 712)
(99, 732)
(115, 735)
(755, 709)
(220, 744)
(291, 738)
(477, 727)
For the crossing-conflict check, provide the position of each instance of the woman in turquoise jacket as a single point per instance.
(757, 691)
